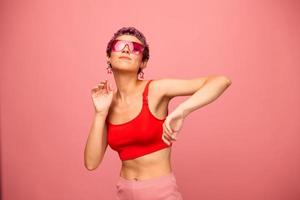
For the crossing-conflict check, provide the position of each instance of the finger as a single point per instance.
(94, 89)
(170, 137)
(165, 140)
(167, 127)
(100, 86)
(110, 87)
(102, 83)
(174, 136)
(167, 136)
(101, 89)
(106, 86)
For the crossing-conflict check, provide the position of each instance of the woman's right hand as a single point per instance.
(102, 95)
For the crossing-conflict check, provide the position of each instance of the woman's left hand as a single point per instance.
(172, 125)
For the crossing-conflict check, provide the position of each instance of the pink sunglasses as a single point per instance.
(135, 48)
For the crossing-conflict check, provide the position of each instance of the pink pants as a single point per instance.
(159, 188)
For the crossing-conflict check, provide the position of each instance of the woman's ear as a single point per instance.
(143, 64)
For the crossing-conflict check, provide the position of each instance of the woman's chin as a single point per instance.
(123, 67)
(124, 61)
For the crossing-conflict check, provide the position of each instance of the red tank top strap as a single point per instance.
(145, 93)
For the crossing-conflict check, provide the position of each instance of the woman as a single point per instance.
(134, 119)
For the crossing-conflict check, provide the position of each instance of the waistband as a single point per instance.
(152, 181)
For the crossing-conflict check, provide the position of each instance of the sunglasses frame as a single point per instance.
(131, 45)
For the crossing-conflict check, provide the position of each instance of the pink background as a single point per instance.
(245, 145)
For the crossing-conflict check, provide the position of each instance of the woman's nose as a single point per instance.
(126, 48)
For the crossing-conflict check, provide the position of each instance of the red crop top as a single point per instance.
(138, 136)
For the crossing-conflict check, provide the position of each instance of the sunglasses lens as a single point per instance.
(118, 45)
(137, 48)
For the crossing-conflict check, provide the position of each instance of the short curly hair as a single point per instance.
(134, 32)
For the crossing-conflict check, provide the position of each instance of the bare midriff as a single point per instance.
(148, 166)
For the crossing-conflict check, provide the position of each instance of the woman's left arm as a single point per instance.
(212, 88)
(204, 90)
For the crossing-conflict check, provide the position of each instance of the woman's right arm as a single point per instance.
(96, 143)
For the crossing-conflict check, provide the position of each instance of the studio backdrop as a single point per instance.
(243, 146)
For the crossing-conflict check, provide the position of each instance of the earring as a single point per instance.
(109, 68)
(141, 74)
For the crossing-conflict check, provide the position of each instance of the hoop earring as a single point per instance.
(109, 68)
(141, 74)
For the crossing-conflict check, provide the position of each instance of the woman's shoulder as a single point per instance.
(154, 83)
(154, 88)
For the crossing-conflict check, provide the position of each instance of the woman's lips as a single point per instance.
(125, 57)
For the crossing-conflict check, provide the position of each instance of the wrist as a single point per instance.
(181, 109)
(101, 113)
